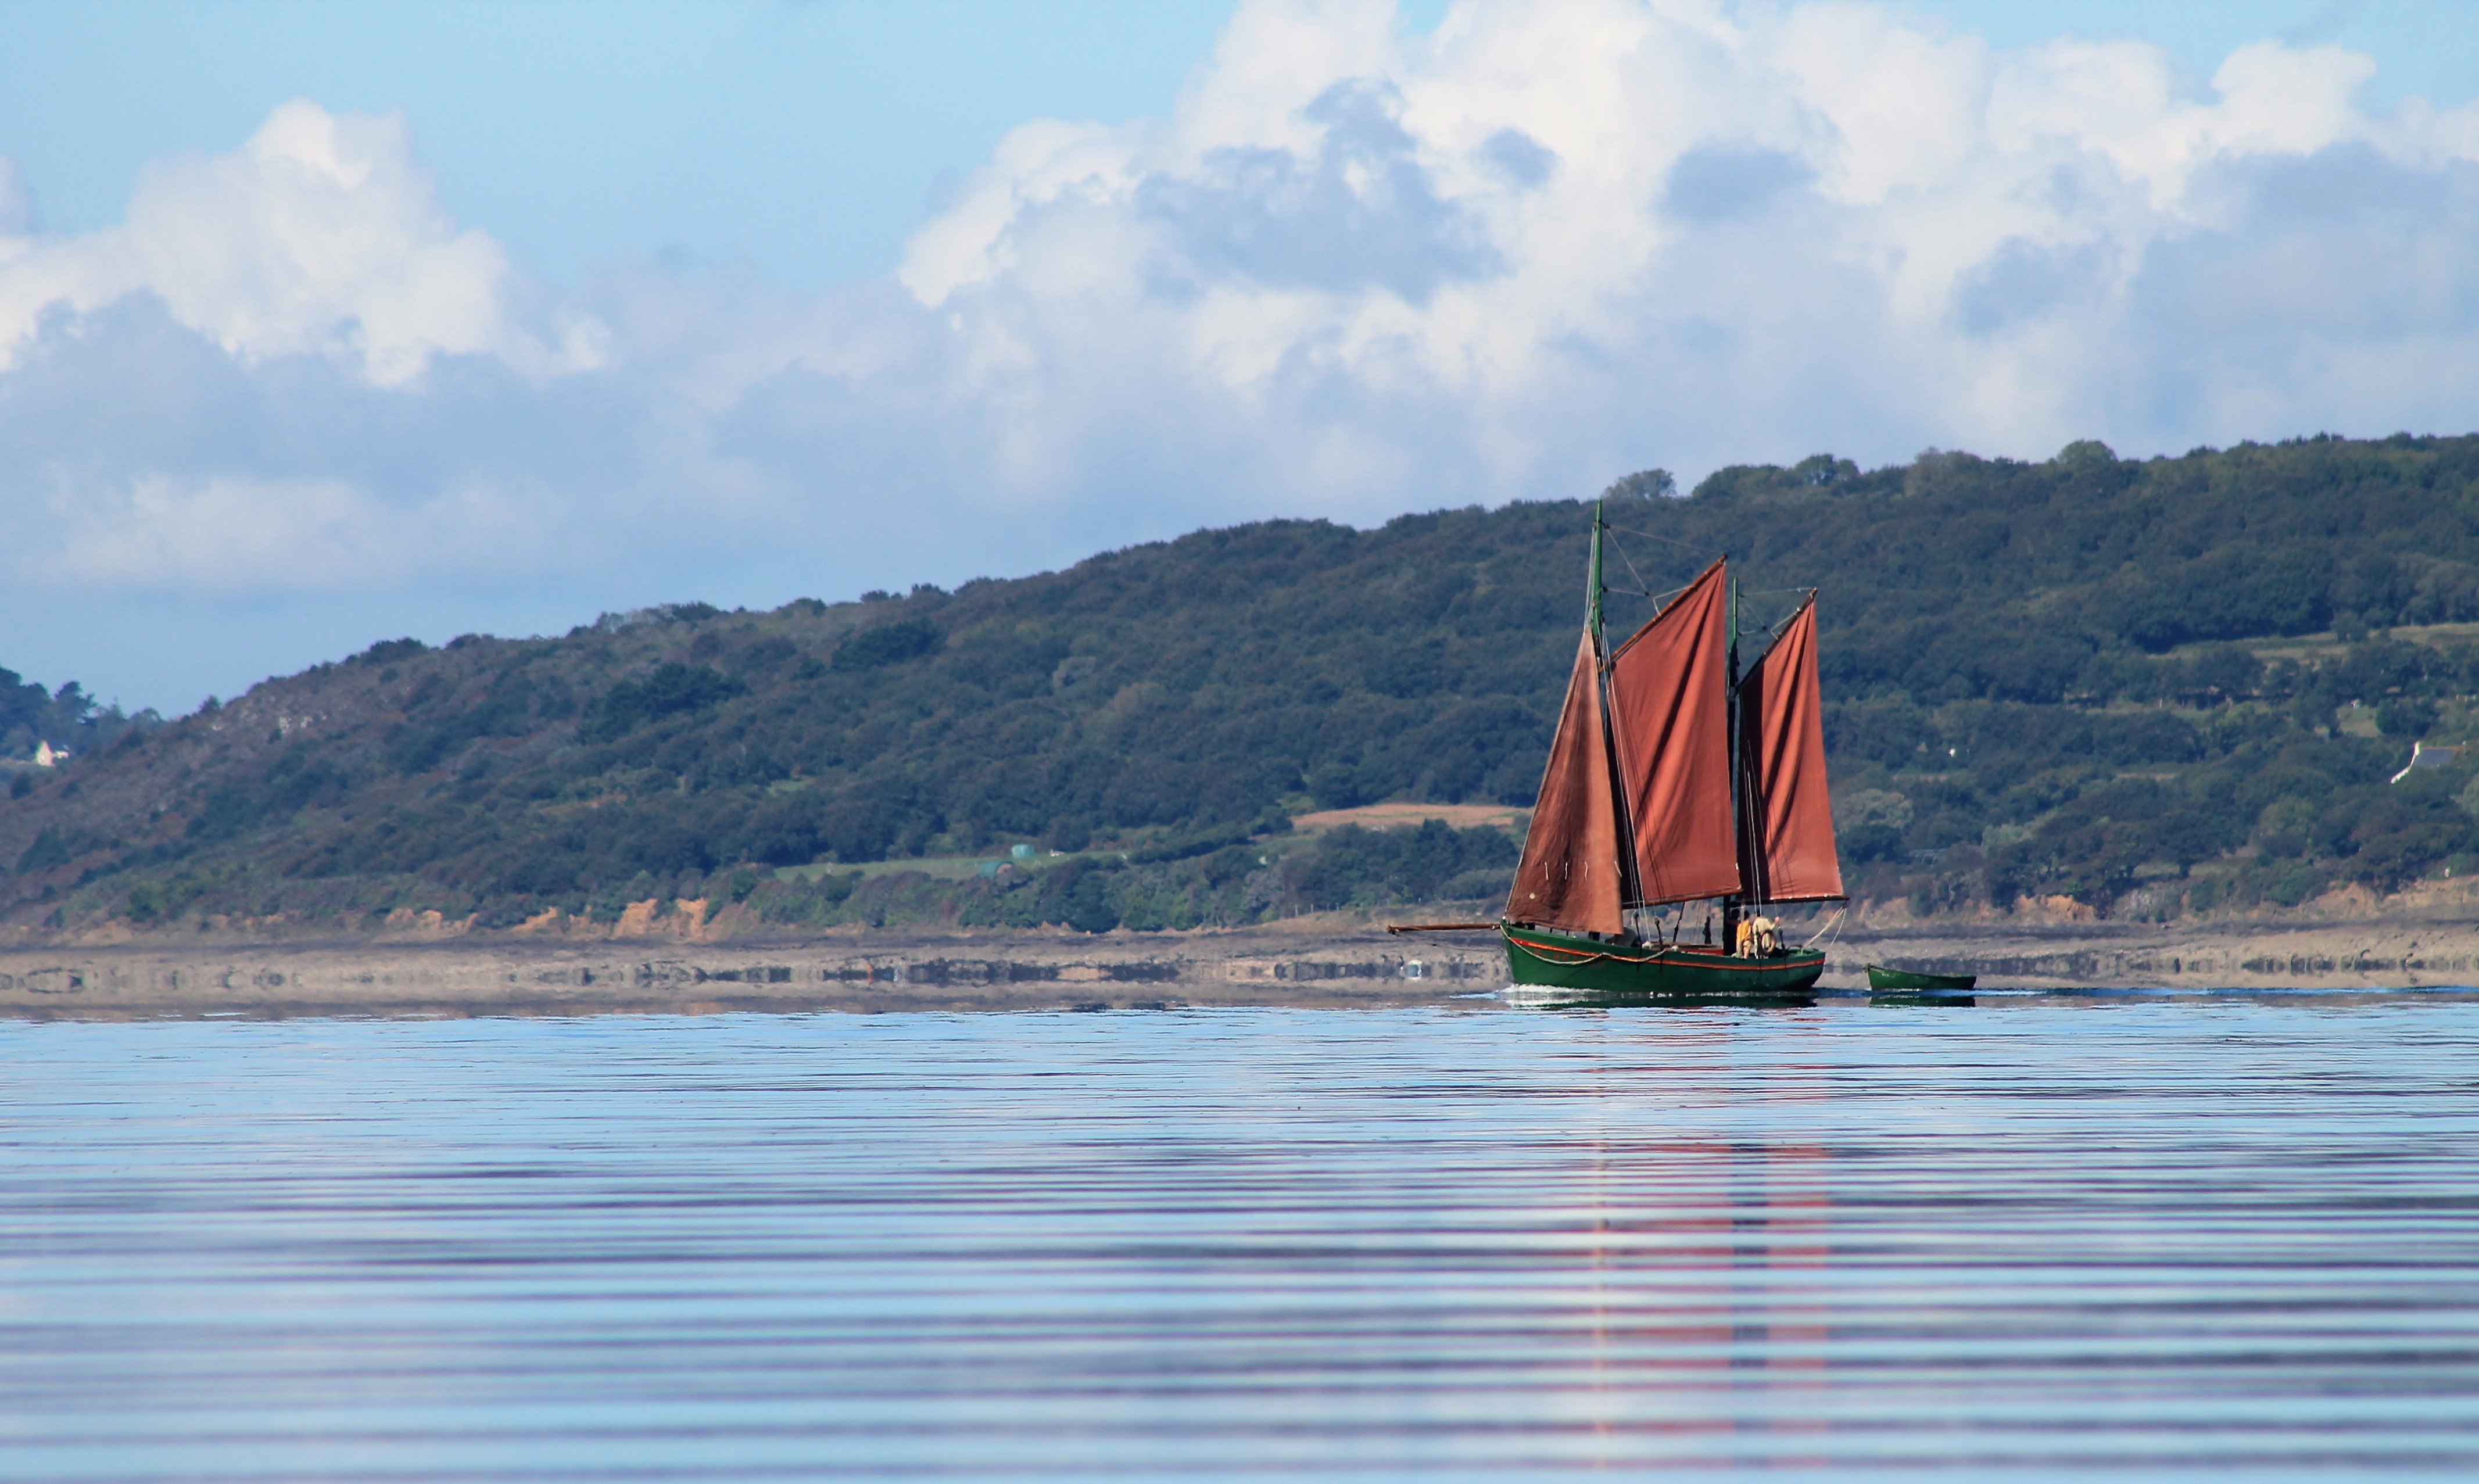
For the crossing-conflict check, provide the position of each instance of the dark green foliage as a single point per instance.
(2059, 679)
(1078, 895)
(25, 706)
(671, 690)
(889, 644)
(1817, 471)
(1183, 846)
(1237, 883)
(1356, 867)
(2236, 591)
(297, 781)
(49, 850)
(388, 651)
(812, 904)
(2408, 717)
(68, 719)
(445, 732)
(1647, 484)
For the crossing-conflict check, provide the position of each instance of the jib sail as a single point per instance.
(1569, 876)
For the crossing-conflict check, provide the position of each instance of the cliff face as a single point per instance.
(2154, 691)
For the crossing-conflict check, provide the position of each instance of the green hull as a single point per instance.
(1675, 972)
(1882, 977)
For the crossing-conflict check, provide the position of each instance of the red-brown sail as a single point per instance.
(1670, 711)
(1569, 876)
(1781, 736)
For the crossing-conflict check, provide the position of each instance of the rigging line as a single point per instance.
(1656, 598)
(1631, 563)
(1774, 628)
(1782, 622)
(1647, 535)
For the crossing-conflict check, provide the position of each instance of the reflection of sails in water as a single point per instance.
(1708, 1257)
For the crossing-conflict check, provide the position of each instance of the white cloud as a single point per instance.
(1352, 272)
(17, 206)
(228, 533)
(1726, 234)
(1751, 230)
(235, 534)
(319, 236)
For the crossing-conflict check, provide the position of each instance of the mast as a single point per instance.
(1593, 578)
(1732, 906)
(1630, 884)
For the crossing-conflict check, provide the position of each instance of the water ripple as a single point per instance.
(2038, 1240)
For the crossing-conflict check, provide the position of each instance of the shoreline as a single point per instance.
(1332, 962)
(884, 970)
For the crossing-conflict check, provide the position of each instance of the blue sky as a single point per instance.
(806, 139)
(323, 323)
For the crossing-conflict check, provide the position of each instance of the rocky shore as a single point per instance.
(884, 970)
(1336, 960)
(2370, 955)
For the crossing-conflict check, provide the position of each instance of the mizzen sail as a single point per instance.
(1569, 876)
(1789, 853)
(1670, 714)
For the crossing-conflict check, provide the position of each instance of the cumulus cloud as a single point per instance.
(229, 532)
(1352, 272)
(320, 235)
(1735, 232)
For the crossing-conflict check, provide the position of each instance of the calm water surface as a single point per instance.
(2037, 1238)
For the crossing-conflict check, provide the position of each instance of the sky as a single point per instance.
(322, 325)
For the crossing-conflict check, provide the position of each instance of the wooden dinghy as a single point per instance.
(1916, 982)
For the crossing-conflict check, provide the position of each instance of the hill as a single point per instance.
(2154, 687)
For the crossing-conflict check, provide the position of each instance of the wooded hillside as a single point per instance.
(2159, 687)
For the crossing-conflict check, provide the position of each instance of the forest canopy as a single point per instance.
(2153, 686)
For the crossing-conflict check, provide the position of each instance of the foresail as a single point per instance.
(1669, 705)
(1569, 876)
(1791, 856)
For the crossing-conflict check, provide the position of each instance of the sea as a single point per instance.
(2124, 1236)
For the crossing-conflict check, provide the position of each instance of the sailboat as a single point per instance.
(1676, 776)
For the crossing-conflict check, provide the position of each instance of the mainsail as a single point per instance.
(1569, 876)
(1787, 845)
(1669, 720)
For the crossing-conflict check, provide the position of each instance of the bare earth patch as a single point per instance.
(1408, 816)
